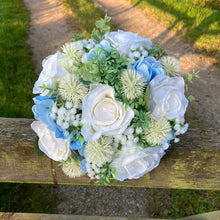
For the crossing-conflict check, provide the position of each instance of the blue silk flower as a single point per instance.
(148, 68)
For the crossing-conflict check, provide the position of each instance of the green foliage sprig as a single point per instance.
(89, 72)
(101, 29)
(110, 64)
(141, 119)
(51, 91)
(106, 174)
(77, 37)
(156, 51)
(189, 77)
(76, 133)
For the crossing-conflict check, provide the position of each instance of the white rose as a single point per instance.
(133, 162)
(55, 148)
(102, 114)
(167, 97)
(51, 71)
(125, 41)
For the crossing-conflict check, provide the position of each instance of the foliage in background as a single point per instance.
(175, 203)
(196, 20)
(86, 13)
(27, 198)
(16, 69)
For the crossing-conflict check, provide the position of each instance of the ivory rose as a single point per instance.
(132, 162)
(51, 71)
(55, 148)
(167, 98)
(102, 114)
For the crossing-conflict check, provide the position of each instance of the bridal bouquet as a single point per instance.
(109, 106)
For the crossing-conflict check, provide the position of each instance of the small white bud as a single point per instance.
(68, 105)
(139, 130)
(177, 127)
(144, 53)
(136, 140)
(65, 133)
(136, 54)
(54, 108)
(165, 146)
(53, 116)
(176, 140)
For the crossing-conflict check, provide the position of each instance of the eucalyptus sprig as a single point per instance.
(111, 65)
(51, 91)
(101, 29)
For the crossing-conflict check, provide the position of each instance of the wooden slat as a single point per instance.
(191, 164)
(36, 216)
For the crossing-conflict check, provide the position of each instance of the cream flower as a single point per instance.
(159, 132)
(72, 168)
(171, 65)
(102, 114)
(74, 51)
(132, 162)
(167, 97)
(71, 89)
(55, 148)
(132, 84)
(99, 151)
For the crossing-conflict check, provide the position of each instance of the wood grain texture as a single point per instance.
(193, 163)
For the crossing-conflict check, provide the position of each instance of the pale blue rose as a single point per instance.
(148, 68)
(42, 109)
(104, 44)
(126, 40)
(76, 145)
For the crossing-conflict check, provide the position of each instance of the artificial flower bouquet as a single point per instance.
(109, 106)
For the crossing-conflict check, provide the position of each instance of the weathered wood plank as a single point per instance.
(36, 216)
(191, 164)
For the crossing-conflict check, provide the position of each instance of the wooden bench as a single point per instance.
(193, 163)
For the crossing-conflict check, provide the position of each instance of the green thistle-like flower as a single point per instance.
(74, 51)
(133, 84)
(99, 151)
(67, 64)
(72, 168)
(71, 89)
(159, 131)
(171, 66)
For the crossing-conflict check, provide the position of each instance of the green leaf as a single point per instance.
(36, 147)
(186, 87)
(191, 98)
